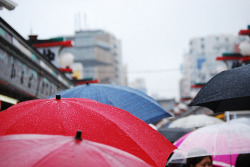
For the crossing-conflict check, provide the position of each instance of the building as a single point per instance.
(25, 73)
(167, 104)
(100, 54)
(200, 63)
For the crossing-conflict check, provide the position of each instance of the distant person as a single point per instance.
(204, 161)
(243, 160)
(196, 160)
(174, 164)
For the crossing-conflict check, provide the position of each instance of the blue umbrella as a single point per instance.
(132, 100)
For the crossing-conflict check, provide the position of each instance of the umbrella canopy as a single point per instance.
(172, 134)
(99, 123)
(242, 120)
(227, 91)
(225, 160)
(56, 150)
(229, 138)
(194, 121)
(218, 160)
(132, 100)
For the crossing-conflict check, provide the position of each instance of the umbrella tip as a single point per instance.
(58, 97)
(78, 135)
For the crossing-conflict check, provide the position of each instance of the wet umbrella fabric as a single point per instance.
(227, 91)
(229, 138)
(218, 160)
(132, 100)
(99, 123)
(244, 120)
(194, 121)
(55, 150)
(225, 160)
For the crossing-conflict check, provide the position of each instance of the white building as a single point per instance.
(100, 54)
(200, 65)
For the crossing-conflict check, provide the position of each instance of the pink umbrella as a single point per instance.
(223, 141)
(218, 160)
(180, 140)
(225, 160)
(66, 151)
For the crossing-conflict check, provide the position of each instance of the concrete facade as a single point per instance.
(100, 54)
(200, 65)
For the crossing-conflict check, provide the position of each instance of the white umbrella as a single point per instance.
(220, 139)
(242, 120)
(195, 121)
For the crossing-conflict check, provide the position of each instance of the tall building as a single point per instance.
(100, 54)
(200, 63)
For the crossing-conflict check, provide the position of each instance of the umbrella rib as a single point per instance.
(99, 150)
(122, 130)
(24, 115)
(215, 144)
(140, 95)
(46, 156)
(34, 148)
(135, 135)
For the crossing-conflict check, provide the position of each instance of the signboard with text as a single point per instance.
(22, 77)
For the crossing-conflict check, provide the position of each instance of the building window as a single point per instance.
(217, 39)
(202, 46)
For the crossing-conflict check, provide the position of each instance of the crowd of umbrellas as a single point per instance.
(108, 125)
(202, 135)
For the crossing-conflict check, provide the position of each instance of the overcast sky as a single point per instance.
(154, 33)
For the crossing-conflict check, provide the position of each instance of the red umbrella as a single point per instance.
(57, 150)
(99, 123)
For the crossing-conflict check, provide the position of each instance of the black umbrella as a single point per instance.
(227, 91)
(173, 134)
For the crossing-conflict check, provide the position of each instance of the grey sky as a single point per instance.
(154, 33)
